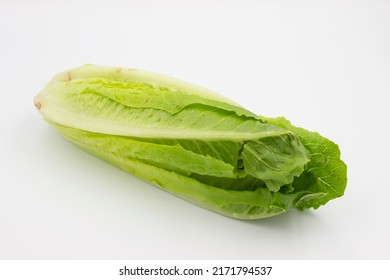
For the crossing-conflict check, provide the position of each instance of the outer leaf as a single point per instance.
(171, 157)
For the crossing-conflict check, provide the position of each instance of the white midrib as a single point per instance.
(54, 114)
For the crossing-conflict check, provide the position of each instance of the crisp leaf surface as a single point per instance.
(325, 176)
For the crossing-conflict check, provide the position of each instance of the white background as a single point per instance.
(325, 65)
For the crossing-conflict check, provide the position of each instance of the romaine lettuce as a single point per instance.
(192, 142)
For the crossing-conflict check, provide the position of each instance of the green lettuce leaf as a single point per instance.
(325, 176)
